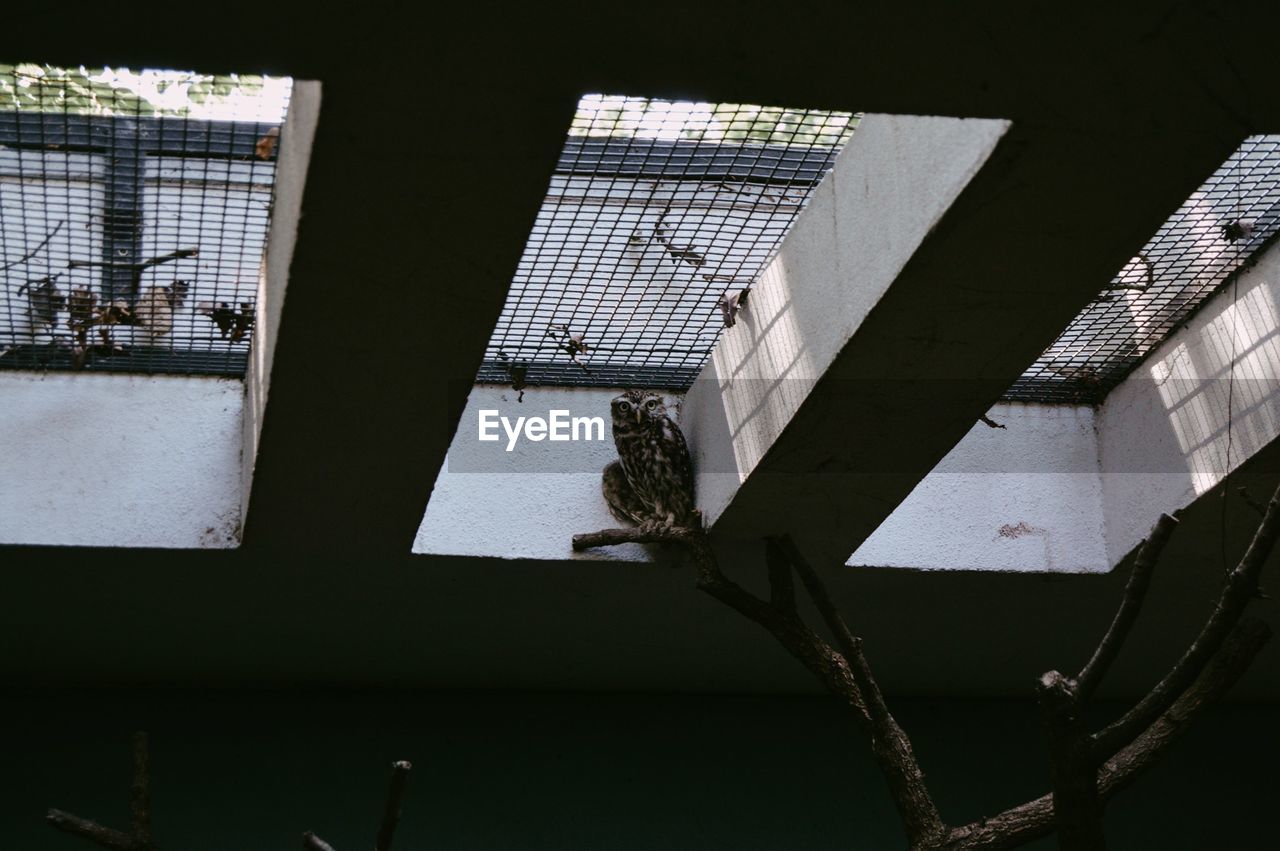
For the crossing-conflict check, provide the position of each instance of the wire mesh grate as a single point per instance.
(1224, 223)
(658, 215)
(134, 210)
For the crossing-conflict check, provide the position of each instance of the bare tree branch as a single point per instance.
(1135, 591)
(1077, 807)
(1237, 652)
(1215, 661)
(889, 742)
(804, 644)
(1021, 824)
(140, 791)
(115, 840)
(614, 537)
(828, 666)
(843, 675)
(1240, 587)
(395, 801)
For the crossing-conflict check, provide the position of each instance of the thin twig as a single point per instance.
(1251, 502)
(990, 423)
(314, 843)
(395, 800)
(180, 254)
(33, 252)
(679, 253)
(1135, 591)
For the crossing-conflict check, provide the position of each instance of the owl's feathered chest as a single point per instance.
(655, 461)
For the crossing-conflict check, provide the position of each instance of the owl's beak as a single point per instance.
(638, 413)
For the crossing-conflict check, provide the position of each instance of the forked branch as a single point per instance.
(1035, 819)
(846, 673)
(1239, 589)
(1087, 769)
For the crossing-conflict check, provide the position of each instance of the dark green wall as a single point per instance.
(506, 770)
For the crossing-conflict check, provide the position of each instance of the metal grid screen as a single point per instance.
(134, 210)
(659, 215)
(1212, 235)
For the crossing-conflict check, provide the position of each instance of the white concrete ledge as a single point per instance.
(110, 460)
(1026, 497)
(527, 502)
(1074, 489)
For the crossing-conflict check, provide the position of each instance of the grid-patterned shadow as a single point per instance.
(134, 211)
(656, 212)
(1212, 235)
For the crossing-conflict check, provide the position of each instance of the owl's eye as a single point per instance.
(624, 406)
(651, 404)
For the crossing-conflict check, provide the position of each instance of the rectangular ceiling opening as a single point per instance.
(1216, 232)
(658, 215)
(134, 212)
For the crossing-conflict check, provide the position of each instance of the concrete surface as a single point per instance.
(110, 460)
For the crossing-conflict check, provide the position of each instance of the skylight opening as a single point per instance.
(1233, 216)
(659, 217)
(134, 212)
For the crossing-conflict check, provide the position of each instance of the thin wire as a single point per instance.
(1231, 371)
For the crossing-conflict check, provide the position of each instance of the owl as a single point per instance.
(651, 483)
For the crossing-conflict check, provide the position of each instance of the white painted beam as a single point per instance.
(291, 175)
(787, 370)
